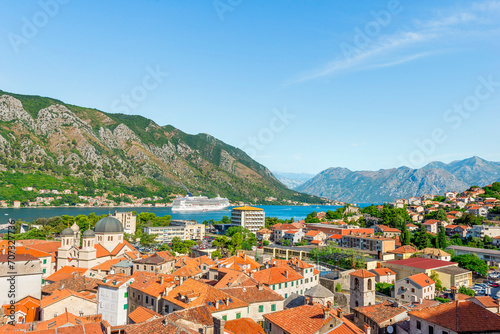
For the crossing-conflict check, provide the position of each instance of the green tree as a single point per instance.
(422, 238)
(469, 292)
(441, 239)
(265, 242)
(338, 288)
(435, 277)
(471, 262)
(236, 242)
(405, 237)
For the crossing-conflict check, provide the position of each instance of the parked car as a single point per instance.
(495, 285)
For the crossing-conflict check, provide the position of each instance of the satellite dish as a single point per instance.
(390, 330)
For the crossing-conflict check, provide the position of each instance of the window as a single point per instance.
(44, 261)
(133, 294)
(274, 287)
(224, 317)
(273, 308)
(125, 295)
(238, 315)
(301, 281)
(286, 295)
(44, 271)
(286, 284)
(43, 281)
(125, 306)
(443, 332)
(412, 289)
(147, 299)
(402, 296)
(279, 286)
(138, 297)
(261, 308)
(431, 329)
(137, 267)
(369, 284)
(144, 267)
(419, 325)
(292, 283)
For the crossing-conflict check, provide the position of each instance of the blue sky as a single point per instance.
(301, 86)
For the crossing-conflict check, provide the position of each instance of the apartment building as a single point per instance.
(368, 242)
(248, 217)
(480, 231)
(128, 220)
(184, 230)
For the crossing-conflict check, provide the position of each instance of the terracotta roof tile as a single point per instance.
(66, 272)
(308, 319)
(381, 312)
(142, 314)
(363, 273)
(62, 294)
(383, 271)
(243, 326)
(421, 279)
(194, 293)
(460, 316)
(276, 275)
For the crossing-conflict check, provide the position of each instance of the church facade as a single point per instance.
(93, 247)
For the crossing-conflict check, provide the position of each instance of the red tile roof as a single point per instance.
(460, 316)
(28, 305)
(66, 272)
(363, 273)
(422, 280)
(381, 312)
(243, 326)
(308, 319)
(487, 301)
(62, 294)
(276, 275)
(422, 263)
(383, 271)
(142, 314)
(194, 293)
(404, 250)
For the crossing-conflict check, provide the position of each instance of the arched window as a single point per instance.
(356, 283)
(369, 284)
(357, 303)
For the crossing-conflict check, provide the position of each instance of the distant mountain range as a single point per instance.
(292, 180)
(389, 184)
(86, 149)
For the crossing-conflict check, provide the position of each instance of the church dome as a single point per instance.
(89, 234)
(108, 225)
(75, 227)
(67, 231)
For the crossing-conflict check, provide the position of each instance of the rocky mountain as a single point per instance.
(389, 184)
(87, 149)
(292, 180)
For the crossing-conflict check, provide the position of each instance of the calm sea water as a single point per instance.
(280, 211)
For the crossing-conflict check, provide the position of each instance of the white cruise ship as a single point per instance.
(199, 203)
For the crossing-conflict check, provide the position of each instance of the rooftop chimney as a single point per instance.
(340, 313)
(161, 280)
(259, 286)
(286, 274)
(368, 329)
(326, 313)
(454, 294)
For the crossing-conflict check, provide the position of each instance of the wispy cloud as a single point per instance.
(402, 47)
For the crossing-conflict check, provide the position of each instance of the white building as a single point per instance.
(128, 220)
(480, 231)
(415, 288)
(185, 230)
(248, 217)
(20, 276)
(112, 295)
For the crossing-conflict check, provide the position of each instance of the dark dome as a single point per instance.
(108, 225)
(89, 233)
(67, 231)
